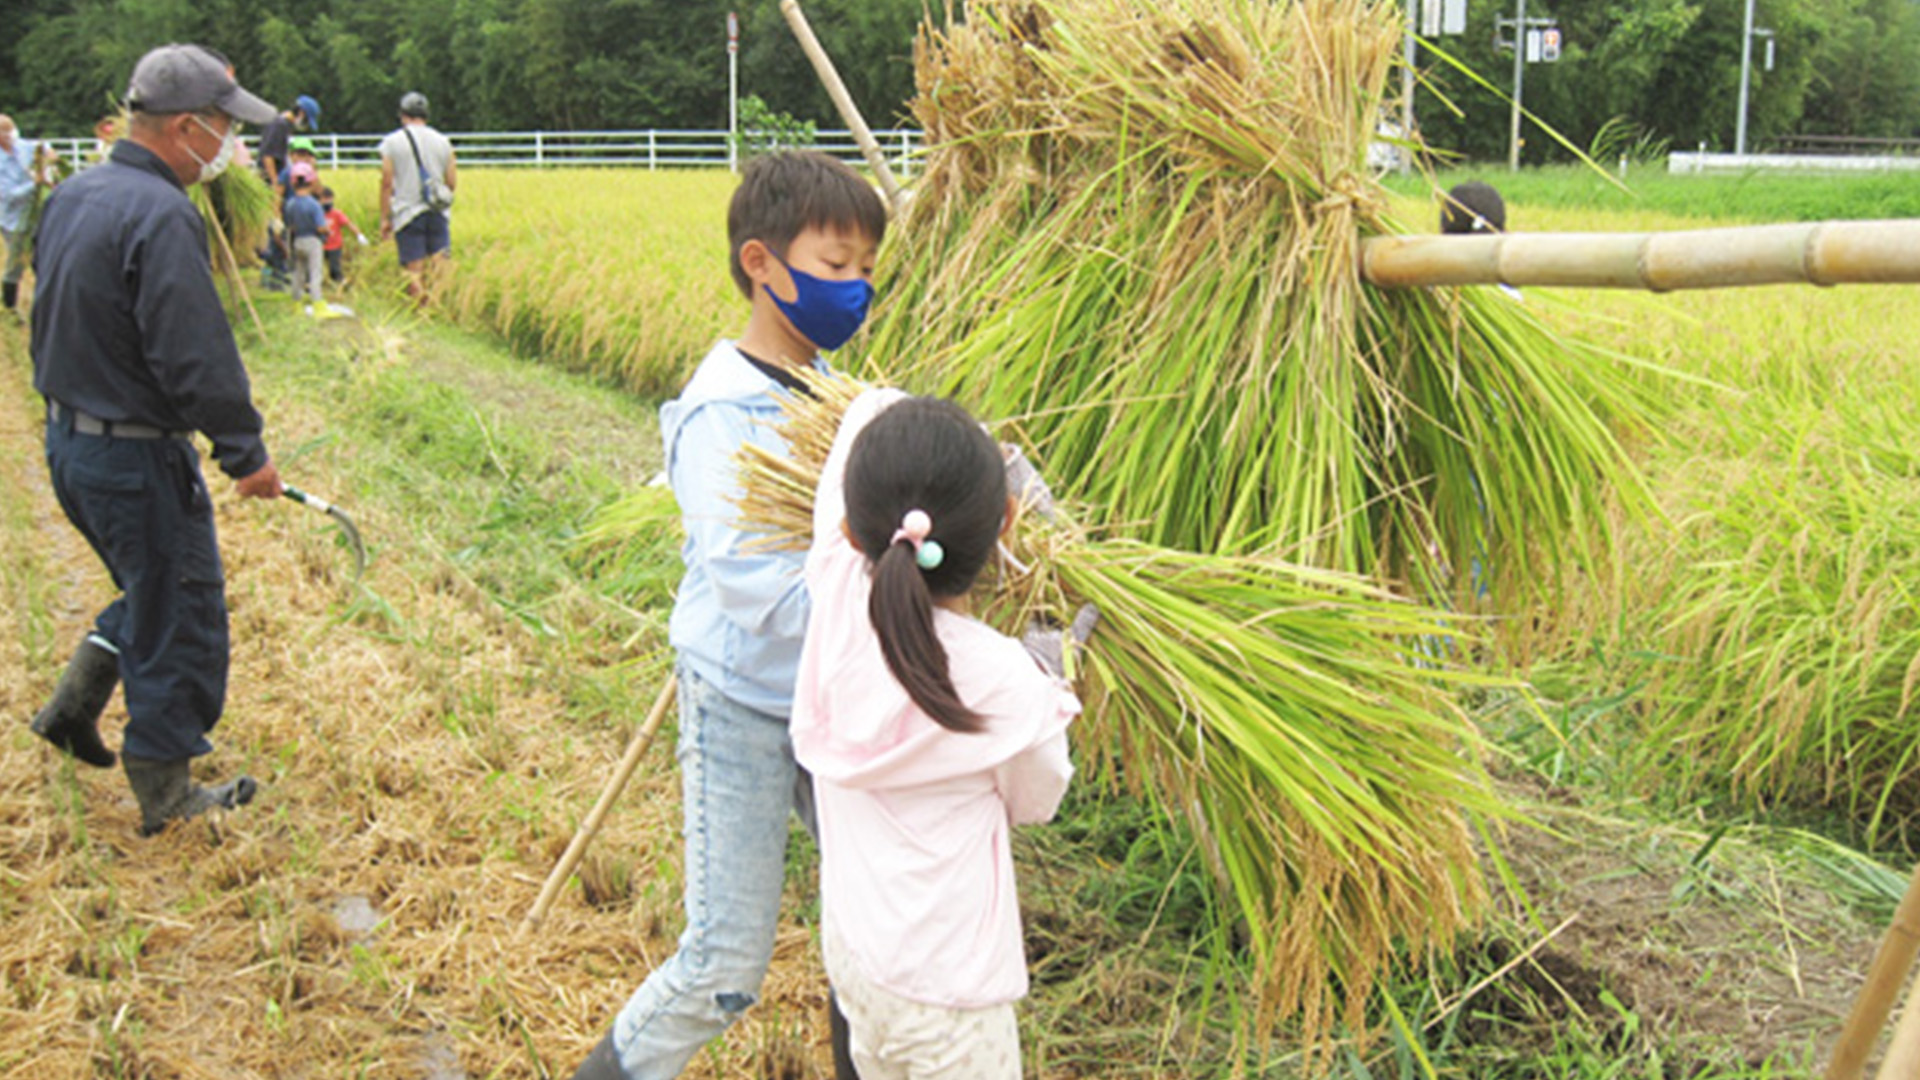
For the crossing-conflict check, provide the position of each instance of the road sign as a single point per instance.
(733, 33)
(1438, 17)
(1550, 44)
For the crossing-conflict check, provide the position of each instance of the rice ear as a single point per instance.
(1291, 717)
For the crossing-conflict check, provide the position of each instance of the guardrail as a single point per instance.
(651, 148)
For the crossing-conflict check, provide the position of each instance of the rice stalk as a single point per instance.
(1136, 234)
(1278, 709)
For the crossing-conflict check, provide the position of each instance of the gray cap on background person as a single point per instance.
(189, 78)
(413, 103)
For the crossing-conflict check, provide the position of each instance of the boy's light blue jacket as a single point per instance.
(741, 612)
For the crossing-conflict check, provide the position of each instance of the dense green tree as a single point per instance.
(1669, 68)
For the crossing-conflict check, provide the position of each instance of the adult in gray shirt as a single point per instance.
(414, 158)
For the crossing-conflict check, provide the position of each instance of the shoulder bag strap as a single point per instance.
(426, 182)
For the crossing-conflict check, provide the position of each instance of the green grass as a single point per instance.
(496, 465)
(1744, 198)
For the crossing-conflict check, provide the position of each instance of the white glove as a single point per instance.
(1048, 645)
(362, 237)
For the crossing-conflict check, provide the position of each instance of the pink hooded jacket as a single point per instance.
(916, 866)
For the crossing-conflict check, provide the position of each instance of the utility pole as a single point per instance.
(1406, 87)
(1519, 78)
(733, 91)
(1746, 69)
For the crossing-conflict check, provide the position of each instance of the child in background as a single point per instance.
(803, 231)
(1473, 208)
(299, 152)
(306, 225)
(337, 225)
(929, 735)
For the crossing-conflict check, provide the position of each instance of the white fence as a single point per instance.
(1817, 163)
(648, 149)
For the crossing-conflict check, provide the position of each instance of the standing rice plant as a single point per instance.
(1137, 233)
(1788, 600)
(1282, 711)
(637, 299)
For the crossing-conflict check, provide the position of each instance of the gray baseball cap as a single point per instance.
(190, 78)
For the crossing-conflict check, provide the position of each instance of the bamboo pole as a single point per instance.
(1818, 253)
(843, 101)
(1903, 1054)
(598, 815)
(233, 277)
(1884, 979)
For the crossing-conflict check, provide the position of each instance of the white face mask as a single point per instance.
(221, 159)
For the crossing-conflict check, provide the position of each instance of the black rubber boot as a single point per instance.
(10, 294)
(841, 1037)
(166, 792)
(602, 1064)
(71, 721)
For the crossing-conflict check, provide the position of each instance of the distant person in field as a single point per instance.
(306, 231)
(21, 176)
(803, 231)
(929, 735)
(414, 159)
(272, 159)
(1472, 208)
(299, 152)
(337, 225)
(133, 353)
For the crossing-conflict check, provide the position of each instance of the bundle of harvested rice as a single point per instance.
(1137, 233)
(1278, 709)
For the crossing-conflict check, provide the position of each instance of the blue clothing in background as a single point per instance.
(16, 184)
(305, 217)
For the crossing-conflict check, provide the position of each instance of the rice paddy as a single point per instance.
(1676, 533)
(510, 631)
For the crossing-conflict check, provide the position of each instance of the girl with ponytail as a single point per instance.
(928, 734)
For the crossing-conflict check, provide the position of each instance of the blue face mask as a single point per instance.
(826, 313)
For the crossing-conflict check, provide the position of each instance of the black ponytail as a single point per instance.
(924, 454)
(901, 608)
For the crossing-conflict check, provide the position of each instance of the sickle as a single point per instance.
(339, 515)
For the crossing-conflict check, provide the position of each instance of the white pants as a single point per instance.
(308, 261)
(898, 1039)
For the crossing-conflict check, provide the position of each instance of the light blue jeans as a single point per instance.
(738, 783)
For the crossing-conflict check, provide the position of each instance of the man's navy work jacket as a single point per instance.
(127, 324)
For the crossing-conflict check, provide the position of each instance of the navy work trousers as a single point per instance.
(143, 506)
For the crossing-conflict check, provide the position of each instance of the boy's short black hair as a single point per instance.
(784, 193)
(1473, 207)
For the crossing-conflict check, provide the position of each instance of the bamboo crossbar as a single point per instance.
(1818, 253)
